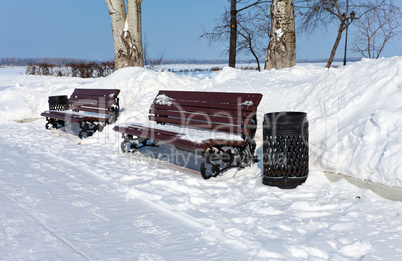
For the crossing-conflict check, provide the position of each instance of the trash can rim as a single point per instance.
(57, 96)
(285, 117)
(287, 113)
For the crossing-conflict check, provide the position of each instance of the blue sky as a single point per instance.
(82, 29)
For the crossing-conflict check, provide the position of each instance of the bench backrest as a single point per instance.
(220, 111)
(94, 100)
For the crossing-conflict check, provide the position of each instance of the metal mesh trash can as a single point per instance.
(285, 147)
(58, 103)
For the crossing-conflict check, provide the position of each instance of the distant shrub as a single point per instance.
(77, 69)
(247, 68)
(104, 69)
(215, 69)
(31, 69)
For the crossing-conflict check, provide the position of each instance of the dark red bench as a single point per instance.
(218, 125)
(92, 109)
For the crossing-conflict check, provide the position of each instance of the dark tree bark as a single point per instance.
(338, 39)
(233, 34)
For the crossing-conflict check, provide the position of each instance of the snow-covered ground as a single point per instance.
(63, 198)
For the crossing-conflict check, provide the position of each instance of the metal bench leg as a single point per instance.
(131, 144)
(248, 152)
(53, 123)
(219, 158)
(88, 128)
(211, 167)
(116, 111)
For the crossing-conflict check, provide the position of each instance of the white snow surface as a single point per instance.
(163, 100)
(279, 33)
(63, 198)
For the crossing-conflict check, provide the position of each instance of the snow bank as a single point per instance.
(25, 97)
(355, 112)
(63, 198)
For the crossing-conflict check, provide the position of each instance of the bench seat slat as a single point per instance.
(160, 135)
(112, 93)
(212, 111)
(216, 97)
(92, 100)
(137, 129)
(212, 142)
(202, 117)
(71, 117)
(92, 96)
(173, 137)
(62, 116)
(95, 104)
(205, 125)
(200, 105)
(93, 110)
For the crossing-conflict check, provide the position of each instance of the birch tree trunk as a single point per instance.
(127, 32)
(282, 45)
(134, 33)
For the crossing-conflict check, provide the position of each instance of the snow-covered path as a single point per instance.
(65, 201)
(59, 208)
(62, 198)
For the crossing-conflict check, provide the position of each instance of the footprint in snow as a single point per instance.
(150, 257)
(80, 204)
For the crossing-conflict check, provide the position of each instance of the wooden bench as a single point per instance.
(92, 109)
(217, 125)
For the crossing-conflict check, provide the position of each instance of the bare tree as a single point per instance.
(151, 63)
(253, 29)
(127, 32)
(234, 24)
(325, 12)
(282, 45)
(376, 29)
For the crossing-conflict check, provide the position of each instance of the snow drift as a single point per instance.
(355, 112)
(63, 198)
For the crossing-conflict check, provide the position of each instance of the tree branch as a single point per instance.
(256, 3)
